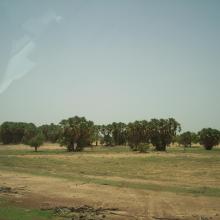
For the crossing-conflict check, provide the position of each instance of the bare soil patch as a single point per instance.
(48, 192)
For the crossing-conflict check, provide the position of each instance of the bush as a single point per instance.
(36, 141)
(143, 148)
(209, 138)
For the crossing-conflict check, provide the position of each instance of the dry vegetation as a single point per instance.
(119, 183)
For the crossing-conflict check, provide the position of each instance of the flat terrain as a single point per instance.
(121, 183)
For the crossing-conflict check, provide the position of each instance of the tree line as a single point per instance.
(77, 132)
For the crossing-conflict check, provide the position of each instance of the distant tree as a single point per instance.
(137, 134)
(8, 132)
(77, 133)
(176, 139)
(162, 132)
(96, 134)
(106, 132)
(185, 139)
(51, 132)
(209, 137)
(13, 132)
(30, 132)
(195, 138)
(119, 133)
(36, 141)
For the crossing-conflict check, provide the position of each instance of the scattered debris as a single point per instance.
(83, 212)
(5, 189)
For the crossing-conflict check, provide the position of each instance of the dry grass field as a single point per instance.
(109, 183)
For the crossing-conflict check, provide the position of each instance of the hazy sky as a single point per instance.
(110, 60)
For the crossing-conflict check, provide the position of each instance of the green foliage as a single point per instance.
(30, 132)
(137, 132)
(106, 132)
(36, 141)
(176, 139)
(187, 138)
(77, 133)
(96, 137)
(14, 132)
(143, 148)
(119, 133)
(162, 132)
(11, 212)
(51, 132)
(209, 137)
(195, 138)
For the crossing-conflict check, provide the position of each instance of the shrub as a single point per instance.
(36, 141)
(143, 148)
(209, 137)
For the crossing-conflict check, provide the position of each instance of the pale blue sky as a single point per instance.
(115, 60)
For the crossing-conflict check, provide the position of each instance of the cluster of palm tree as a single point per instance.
(158, 132)
(77, 132)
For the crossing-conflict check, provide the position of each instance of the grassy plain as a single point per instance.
(172, 184)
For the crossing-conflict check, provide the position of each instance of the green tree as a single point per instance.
(176, 139)
(162, 132)
(5, 133)
(185, 139)
(119, 133)
(195, 138)
(96, 134)
(137, 134)
(106, 132)
(13, 132)
(77, 133)
(36, 141)
(209, 137)
(30, 132)
(51, 132)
